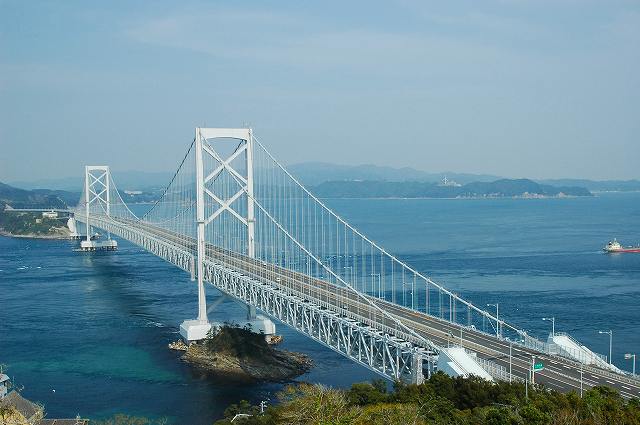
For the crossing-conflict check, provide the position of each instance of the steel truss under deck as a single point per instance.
(382, 349)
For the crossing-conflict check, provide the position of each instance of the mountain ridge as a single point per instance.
(315, 173)
(502, 188)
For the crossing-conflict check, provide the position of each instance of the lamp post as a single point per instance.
(610, 333)
(533, 369)
(553, 324)
(497, 306)
(581, 385)
(630, 356)
(510, 348)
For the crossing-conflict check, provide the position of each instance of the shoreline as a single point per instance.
(469, 198)
(34, 236)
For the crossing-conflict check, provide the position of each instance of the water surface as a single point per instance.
(95, 328)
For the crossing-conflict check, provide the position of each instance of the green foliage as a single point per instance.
(21, 223)
(364, 393)
(239, 342)
(442, 400)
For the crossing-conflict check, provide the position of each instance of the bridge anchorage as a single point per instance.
(234, 217)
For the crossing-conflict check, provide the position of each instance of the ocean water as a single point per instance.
(88, 334)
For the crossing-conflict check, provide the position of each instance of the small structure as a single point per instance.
(456, 361)
(259, 323)
(73, 229)
(93, 245)
(4, 385)
(50, 214)
(16, 409)
(194, 330)
(564, 344)
(449, 183)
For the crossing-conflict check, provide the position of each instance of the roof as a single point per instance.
(26, 408)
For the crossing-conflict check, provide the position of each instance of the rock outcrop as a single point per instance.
(240, 354)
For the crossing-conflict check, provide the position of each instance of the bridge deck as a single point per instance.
(559, 373)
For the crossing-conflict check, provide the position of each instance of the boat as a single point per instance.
(614, 246)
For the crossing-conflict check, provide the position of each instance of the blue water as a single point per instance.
(94, 328)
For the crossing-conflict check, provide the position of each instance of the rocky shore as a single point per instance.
(240, 354)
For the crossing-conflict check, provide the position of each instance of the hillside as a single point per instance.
(497, 189)
(441, 400)
(314, 173)
(37, 198)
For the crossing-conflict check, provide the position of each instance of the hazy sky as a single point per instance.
(520, 88)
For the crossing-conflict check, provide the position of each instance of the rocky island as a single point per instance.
(239, 354)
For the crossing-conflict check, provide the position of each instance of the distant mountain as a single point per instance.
(598, 186)
(124, 180)
(39, 198)
(500, 188)
(314, 173)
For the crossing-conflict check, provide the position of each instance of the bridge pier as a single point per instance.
(417, 375)
(194, 330)
(93, 245)
(259, 323)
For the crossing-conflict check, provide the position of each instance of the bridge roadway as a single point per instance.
(559, 373)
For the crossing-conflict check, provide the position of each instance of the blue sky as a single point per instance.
(520, 88)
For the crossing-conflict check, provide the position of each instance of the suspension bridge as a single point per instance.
(232, 216)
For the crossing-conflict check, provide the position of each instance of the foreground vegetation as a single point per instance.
(439, 401)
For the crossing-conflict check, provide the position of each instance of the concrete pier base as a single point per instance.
(92, 245)
(194, 330)
(259, 323)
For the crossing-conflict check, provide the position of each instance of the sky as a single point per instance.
(517, 88)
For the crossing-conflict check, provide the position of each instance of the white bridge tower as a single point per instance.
(97, 192)
(206, 153)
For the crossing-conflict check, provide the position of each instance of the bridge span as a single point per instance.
(234, 217)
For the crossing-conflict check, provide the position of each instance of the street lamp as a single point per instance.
(610, 333)
(553, 324)
(630, 356)
(497, 306)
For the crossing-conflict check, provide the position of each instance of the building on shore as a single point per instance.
(17, 410)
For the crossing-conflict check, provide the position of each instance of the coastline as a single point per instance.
(458, 198)
(33, 236)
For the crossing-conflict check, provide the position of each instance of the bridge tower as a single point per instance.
(97, 191)
(206, 153)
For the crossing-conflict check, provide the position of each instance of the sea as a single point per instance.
(87, 334)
